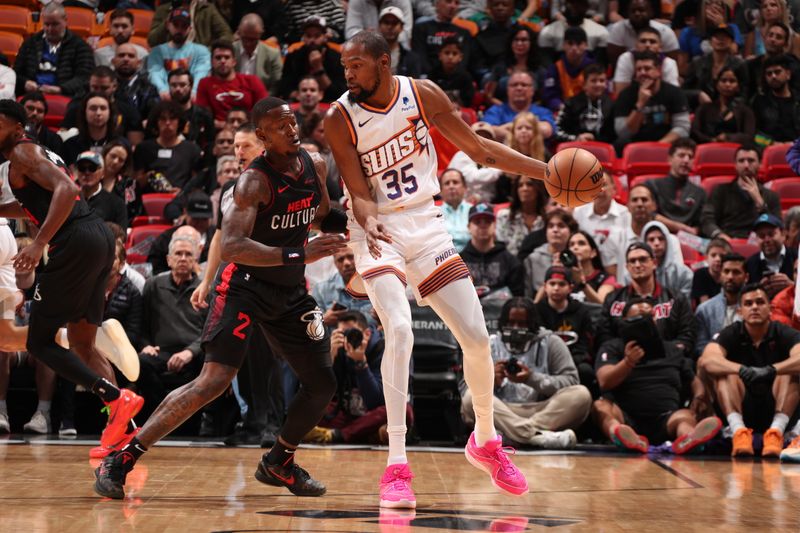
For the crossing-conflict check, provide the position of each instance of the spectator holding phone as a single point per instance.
(773, 266)
(645, 381)
(333, 296)
(537, 398)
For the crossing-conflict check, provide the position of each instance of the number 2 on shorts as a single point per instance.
(238, 330)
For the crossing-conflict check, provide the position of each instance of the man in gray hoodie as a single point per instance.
(670, 272)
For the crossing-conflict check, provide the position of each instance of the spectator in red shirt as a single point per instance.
(225, 88)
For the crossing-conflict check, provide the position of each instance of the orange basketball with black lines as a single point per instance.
(573, 177)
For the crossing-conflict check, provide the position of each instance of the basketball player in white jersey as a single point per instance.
(378, 132)
(12, 338)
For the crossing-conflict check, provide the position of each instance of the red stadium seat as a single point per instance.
(16, 19)
(773, 162)
(690, 255)
(155, 202)
(709, 184)
(139, 239)
(81, 21)
(604, 152)
(714, 159)
(499, 207)
(744, 248)
(56, 109)
(145, 220)
(639, 180)
(788, 189)
(9, 45)
(645, 158)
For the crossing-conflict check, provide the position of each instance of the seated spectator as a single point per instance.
(450, 73)
(707, 281)
(132, 275)
(521, 55)
(45, 389)
(700, 82)
(783, 305)
(36, 108)
(206, 22)
(565, 78)
(750, 363)
(366, 15)
(333, 295)
(199, 127)
(679, 201)
(196, 215)
(569, 319)
(494, 32)
(721, 311)
(454, 208)
(134, 84)
(643, 391)
(559, 225)
(776, 43)
(171, 327)
(588, 116)
(773, 266)
(650, 110)
(525, 213)
(109, 207)
(647, 38)
(225, 88)
(553, 36)
(235, 117)
(429, 35)
(177, 52)
(778, 109)
(733, 208)
(357, 411)
(770, 12)
(227, 170)
(694, 39)
(313, 56)
(54, 60)
(520, 98)
(604, 218)
(404, 61)
(309, 98)
(123, 299)
(481, 180)
(120, 28)
(622, 35)
(726, 118)
(791, 220)
(169, 154)
(118, 176)
(672, 313)
(255, 57)
(537, 398)
(491, 266)
(670, 273)
(590, 281)
(525, 136)
(8, 81)
(598, 11)
(97, 125)
(331, 11)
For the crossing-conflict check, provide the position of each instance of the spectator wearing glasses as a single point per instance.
(108, 206)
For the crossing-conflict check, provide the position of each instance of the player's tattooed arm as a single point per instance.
(439, 111)
(325, 201)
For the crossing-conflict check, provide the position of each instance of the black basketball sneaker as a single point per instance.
(111, 475)
(293, 477)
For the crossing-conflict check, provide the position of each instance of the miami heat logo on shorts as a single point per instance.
(315, 329)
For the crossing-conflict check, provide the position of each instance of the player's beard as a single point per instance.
(365, 93)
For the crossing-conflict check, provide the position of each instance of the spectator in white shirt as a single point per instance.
(622, 35)
(647, 39)
(480, 180)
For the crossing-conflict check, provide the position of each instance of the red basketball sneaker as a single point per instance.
(120, 412)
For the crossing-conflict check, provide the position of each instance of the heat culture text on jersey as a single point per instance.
(298, 213)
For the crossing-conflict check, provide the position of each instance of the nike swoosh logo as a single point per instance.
(361, 124)
(281, 189)
(288, 480)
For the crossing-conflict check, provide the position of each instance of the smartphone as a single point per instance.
(339, 307)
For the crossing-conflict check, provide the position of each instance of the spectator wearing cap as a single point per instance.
(521, 88)
(197, 215)
(177, 52)
(206, 23)
(224, 88)
(491, 266)
(450, 72)
(588, 115)
(480, 180)
(108, 206)
(552, 37)
(404, 61)
(313, 56)
(558, 226)
(366, 15)
(777, 110)
(700, 80)
(571, 320)
(254, 57)
(773, 266)
(622, 35)
(732, 208)
(720, 311)
(429, 35)
(564, 78)
(671, 310)
(455, 210)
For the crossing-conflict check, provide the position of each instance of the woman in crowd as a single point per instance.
(589, 277)
(118, 175)
(524, 215)
(521, 55)
(727, 118)
(769, 12)
(693, 40)
(559, 225)
(98, 124)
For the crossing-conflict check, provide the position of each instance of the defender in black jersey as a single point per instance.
(276, 201)
(71, 288)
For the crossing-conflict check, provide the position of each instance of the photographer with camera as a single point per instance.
(537, 398)
(751, 364)
(357, 413)
(644, 380)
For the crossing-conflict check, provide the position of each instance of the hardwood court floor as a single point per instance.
(48, 488)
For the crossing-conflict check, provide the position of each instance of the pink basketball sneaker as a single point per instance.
(396, 492)
(493, 459)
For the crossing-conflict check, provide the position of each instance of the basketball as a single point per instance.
(573, 177)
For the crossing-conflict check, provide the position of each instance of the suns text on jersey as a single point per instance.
(391, 152)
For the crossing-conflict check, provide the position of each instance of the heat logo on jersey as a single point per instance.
(298, 213)
(393, 151)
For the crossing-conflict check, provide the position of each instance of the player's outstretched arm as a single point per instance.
(439, 111)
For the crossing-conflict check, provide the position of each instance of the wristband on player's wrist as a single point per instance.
(293, 256)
